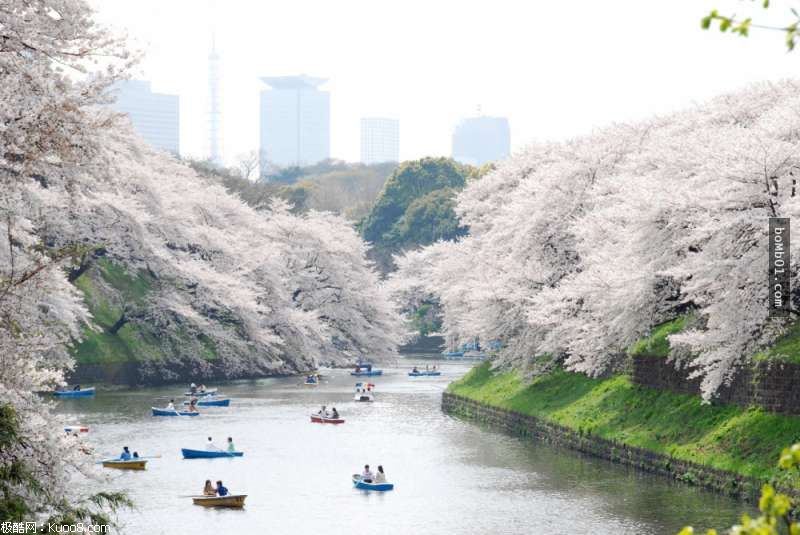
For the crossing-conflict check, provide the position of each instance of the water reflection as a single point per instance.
(451, 476)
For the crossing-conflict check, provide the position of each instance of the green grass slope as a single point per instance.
(745, 441)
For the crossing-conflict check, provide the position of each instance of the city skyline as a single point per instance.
(629, 72)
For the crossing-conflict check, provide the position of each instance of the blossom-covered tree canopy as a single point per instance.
(580, 248)
(74, 178)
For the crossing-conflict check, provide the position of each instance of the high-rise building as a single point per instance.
(155, 116)
(380, 140)
(479, 140)
(295, 122)
(214, 108)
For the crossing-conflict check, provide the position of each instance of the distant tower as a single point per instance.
(214, 110)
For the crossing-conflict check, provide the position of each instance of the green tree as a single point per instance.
(410, 182)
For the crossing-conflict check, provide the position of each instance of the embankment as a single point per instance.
(725, 447)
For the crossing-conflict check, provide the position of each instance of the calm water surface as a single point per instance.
(451, 476)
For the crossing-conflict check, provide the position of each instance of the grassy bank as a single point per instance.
(745, 441)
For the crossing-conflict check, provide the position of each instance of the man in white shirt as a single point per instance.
(367, 476)
(210, 446)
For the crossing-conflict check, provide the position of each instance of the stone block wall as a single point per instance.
(771, 385)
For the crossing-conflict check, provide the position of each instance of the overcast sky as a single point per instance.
(555, 68)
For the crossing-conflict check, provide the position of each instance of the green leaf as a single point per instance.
(705, 22)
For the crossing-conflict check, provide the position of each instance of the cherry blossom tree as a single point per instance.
(579, 248)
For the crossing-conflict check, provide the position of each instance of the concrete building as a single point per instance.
(155, 116)
(480, 140)
(380, 140)
(295, 122)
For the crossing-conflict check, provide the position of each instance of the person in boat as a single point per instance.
(231, 447)
(171, 405)
(380, 477)
(369, 367)
(323, 412)
(415, 370)
(193, 388)
(125, 455)
(367, 476)
(135, 454)
(76, 388)
(334, 414)
(208, 489)
(210, 446)
(193, 405)
(426, 368)
(202, 388)
(222, 490)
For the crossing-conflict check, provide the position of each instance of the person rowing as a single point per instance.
(231, 447)
(208, 489)
(193, 405)
(367, 476)
(415, 370)
(323, 412)
(193, 388)
(210, 446)
(222, 490)
(171, 405)
(76, 388)
(125, 455)
(334, 414)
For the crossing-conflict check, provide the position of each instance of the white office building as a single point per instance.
(380, 140)
(295, 122)
(155, 116)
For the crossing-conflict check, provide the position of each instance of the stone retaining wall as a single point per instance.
(771, 385)
(523, 425)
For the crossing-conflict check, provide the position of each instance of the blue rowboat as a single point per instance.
(365, 373)
(380, 487)
(202, 454)
(453, 353)
(169, 412)
(74, 393)
(424, 374)
(198, 394)
(211, 402)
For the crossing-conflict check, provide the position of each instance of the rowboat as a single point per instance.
(365, 373)
(363, 396)
(380, 487)
(317, 419)
(424, 374)
(199, 394)
(232, 500)
(211, 402)
(172, 412)
(311, 383)
(204, 454)
(453, 353)
(131, 464)
(74, 393)
(76, 429)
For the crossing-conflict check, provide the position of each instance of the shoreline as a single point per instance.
(725, 448)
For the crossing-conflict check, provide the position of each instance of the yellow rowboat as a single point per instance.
(232, 500)
(133, 464)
